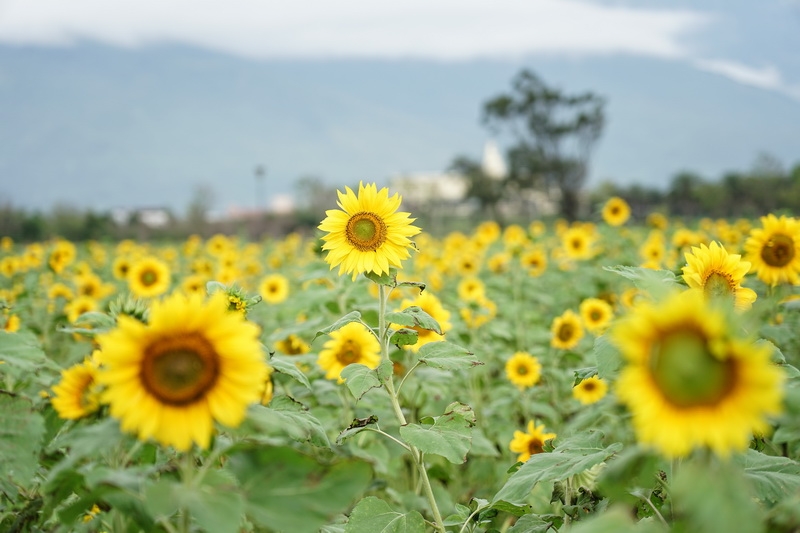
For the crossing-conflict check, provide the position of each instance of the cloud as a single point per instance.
(767, 77)
(444, 29)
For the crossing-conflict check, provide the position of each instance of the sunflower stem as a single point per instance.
(187, 476)
(416, 454)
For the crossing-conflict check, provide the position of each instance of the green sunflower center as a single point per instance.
(687, 374)
(718, 286)
(778, 251)
(148, 277)
(349, 353)
(365, 231)
(179, 370)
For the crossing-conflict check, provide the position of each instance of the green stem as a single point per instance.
(187, 477)
(416, 455)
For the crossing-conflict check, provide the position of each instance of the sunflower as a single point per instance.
(616, 211)
(499, 262)
(774, 250)
(567, 330)
(523, 370)
(534, 261)
(487, 232)
(431, 305)
(79, 306)
(352, 343)
(596, 314)
(590, 390)
(120, 267)
(367, 234)
(12, 324)
(514, 237)
(715, 273)
(194, 284)
(274, 288)
(148, 277)
(77, 394)
(193, 363)
(577, 243)
(658, 221)
(530, 443)
(690, 382)
(471, 289)
(292, 345)
(478, 312)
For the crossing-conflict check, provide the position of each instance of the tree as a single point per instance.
(554, 134)
(484, 189)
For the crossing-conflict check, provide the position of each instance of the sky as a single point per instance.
(131, 103)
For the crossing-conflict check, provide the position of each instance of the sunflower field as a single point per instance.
(599, 376)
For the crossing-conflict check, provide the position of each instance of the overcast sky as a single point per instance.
(715, 36)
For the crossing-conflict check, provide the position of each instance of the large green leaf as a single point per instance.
(360, 378)
(774, 478)
(657, 283)
(449, 435)
(21, 431)
(618, 520)
(373, 515)
(288, 491)
(353, 316)
(286, 366)
(414, 316)
(447, 356)
(571, 457)
(22, 357)
(531, 523)
(284, 417)
(607, 357)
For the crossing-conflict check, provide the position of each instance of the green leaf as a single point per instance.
(286, 366)
(418, 284)
(412, 317)
(774, 478)
(779, 359)
(21, 431)
(287, 491)
(404, 337)
(359, 379)
(618, 520)
(607, 356)
(353, 316)
(657, 283)
(387, 278)
(450, 435)
(635, 467)
(22, 356)
(530, 523)
(584, 373)
(446, 356)
(372, 515)
(284, 417)
(571, 457)
(357, 426)
(90, 323)
(714, 497)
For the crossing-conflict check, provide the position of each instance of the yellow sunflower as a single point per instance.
(120, 267)
(367, 234)
(774, 250)
(148, 277)
(193, 363)
(431, 305)
(12, 324)
(292, 345)
(577, 243)
(715, 273)
(567, 330)
(79, 306)
(689, 382)
(471, 289)
(530, 443)
(194, 284)
(523, 370)
(590, 390)
(352, 343)
(274, 288)
(596, 314)
(77, 394)
(534, 261)
(478, 312)
(616, 211)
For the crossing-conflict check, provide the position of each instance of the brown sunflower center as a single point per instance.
(366, 231)
(595, 315)
(566, 332)
(589, 386)
(718, 286)
(522, 370)
(535, 445)
(687, 373)
(349, 353)
(148, 277)
(577, 244)
(615, 210)
(180, 370)
(778, 251)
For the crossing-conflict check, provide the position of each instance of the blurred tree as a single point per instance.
(554, 134)
(484, 189)
(199, 207)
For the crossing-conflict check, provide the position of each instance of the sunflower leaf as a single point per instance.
(284, 417)
(21, 431)
(357, 426)
(414, 316)
(404, 337)
(89, 323)
(774, 478)
(284, 366)
(359, 379)
(353, 316)
(450, 435)
(387, 278)
(654, 282)
(418, 284)
(608, 358)
(447, 356)
(372, 515)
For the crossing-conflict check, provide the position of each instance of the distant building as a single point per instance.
(425, 188)
(151, 217)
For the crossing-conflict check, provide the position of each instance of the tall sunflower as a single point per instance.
(193, 363)
(352, 343)
(774, 250)
(689, 382)
(567, 330)
(530, 443)
(148, 277)
(367, 234)
(523, 370)
(715, 273)
(616, 211)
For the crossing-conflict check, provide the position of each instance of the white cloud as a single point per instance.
(767, 77)
(444, 29)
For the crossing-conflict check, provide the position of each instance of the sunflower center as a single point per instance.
(778, 251)
(366, 231)
(687, 374)
(595, 315)
(589, 386)
(148, 277)
(535, 445)
(180, 370)
(522, 370)
(566, 332)
(718, 286)
(349, 353)
(576, 244)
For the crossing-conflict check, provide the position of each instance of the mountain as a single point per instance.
(102, 127)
